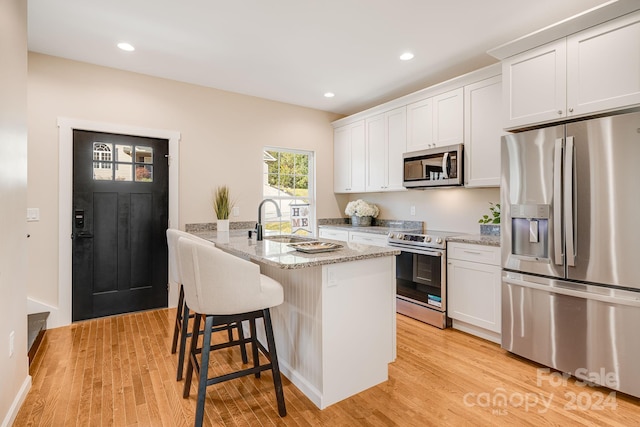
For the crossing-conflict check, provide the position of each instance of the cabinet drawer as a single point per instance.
(334, 234)
(368, 238)
(474, 253)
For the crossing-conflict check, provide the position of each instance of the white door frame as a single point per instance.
(66, 127)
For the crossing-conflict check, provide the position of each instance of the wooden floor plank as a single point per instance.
(119, 371)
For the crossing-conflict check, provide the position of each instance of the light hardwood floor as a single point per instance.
(118, 371)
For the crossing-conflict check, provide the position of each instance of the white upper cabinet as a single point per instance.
(603, 66)
(534, 85)
(386, 142)
(376, 167)
(435, 121)
(396, 137)
(592, 71)
(448, 118)
(483, 132)
(349, 158)
(420, 125)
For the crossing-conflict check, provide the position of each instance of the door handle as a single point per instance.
(557, 202)
(445, 166)
(569, 228)
(84, 235)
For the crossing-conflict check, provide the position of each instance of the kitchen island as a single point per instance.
(335, 332)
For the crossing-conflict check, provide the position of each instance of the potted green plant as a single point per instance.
(222, 205)
(490, 223)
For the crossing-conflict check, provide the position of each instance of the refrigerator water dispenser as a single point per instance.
(530, 231)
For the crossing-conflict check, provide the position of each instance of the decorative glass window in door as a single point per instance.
(102, 161)
(122, 162)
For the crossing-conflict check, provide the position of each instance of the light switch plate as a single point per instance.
(33, 214)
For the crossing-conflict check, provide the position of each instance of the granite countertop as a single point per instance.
(283, 256)
(476, 239)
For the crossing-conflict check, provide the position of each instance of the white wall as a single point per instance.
(443, 209)
(14, 374)
(222, 139)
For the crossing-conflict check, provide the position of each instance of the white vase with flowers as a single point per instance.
(361, 212)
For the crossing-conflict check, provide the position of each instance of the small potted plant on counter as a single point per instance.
(490, 224)
(361, 212)
(222, 206)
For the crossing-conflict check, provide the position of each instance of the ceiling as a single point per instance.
(293, 51)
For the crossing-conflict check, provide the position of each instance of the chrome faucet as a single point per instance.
(259, 224)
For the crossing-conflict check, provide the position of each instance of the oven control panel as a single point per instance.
(425, 240)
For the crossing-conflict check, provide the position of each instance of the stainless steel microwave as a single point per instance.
(435, 167)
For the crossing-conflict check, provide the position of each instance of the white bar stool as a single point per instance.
(180, 329)
(224, 289)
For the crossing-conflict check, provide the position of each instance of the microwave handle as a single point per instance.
(445, 165)
(424, 169)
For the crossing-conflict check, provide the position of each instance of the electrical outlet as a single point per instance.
(413, 210)
(12, 337)
(235, 211)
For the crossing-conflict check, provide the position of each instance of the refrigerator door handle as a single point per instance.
(557, 202)
(569, 214)
(633, 302)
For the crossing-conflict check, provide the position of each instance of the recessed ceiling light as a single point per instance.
(406, 56)
(126, 46)
(329, 95)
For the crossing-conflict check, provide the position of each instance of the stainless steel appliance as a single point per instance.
(435, 167)
(570, 248)
(421, 276)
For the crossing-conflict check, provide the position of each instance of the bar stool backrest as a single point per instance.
(219, 283)
(173, 235)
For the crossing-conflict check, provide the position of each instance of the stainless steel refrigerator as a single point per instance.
(571, 248)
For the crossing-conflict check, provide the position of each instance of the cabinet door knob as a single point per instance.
(571, 110)
(560, 112)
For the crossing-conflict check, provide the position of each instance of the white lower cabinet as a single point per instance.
(333, 234)
(474, 289)
(368, 238)
(350, 236)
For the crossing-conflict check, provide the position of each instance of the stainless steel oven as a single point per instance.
(421, 276)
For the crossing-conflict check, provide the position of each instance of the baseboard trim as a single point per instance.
(17, 403)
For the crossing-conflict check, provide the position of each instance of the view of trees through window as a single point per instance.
(288, 180)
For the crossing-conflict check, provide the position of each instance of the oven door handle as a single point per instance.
(431, 253)
(419, 252)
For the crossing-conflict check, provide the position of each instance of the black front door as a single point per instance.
(120, 207)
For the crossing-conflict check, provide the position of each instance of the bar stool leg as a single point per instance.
(254, 345)
(204, 368)
(275, 368)
(243, 347)
(192, 355)
(179, 320)
(183, 341)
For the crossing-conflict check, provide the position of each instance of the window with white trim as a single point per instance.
(288, 179)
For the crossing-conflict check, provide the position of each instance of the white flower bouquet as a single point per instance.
(361, 208)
